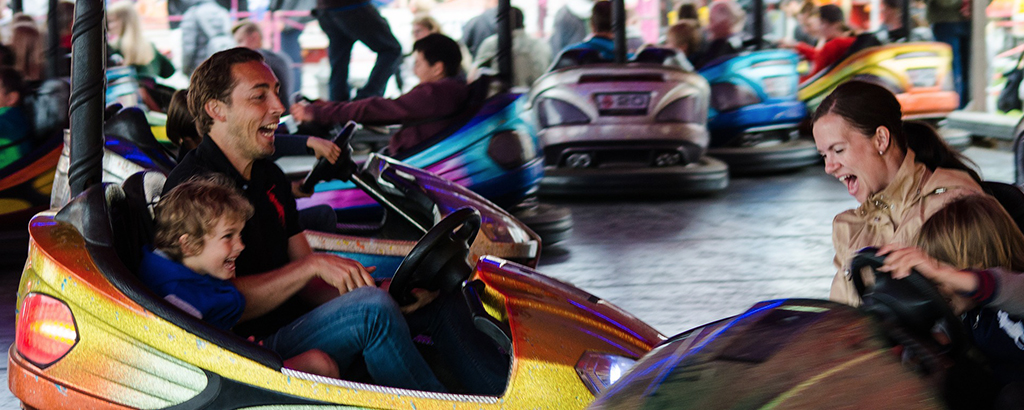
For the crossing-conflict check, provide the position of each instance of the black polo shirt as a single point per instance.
(275, 220)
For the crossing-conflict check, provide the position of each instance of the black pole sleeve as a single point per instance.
(88, 82)
(17, 6)
(505, 43)
(53, 41)
(759, 12)
(906, 19)
(619, 27)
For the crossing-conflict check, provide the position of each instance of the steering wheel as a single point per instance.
(438, 261)
(913, 301)
(341, 169)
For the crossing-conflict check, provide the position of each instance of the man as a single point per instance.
(233, 98)
(602, 39)
(892, 25)
(348, 21)
(248, 34)
(570, 26)
(530, 57)
(951, 24)
(725, 27)
(479, 28)
(424, 111)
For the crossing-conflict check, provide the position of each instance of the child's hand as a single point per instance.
(324, 149)
(951, 282)
(423, 297)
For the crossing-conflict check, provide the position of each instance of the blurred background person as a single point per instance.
(479, 28)
(15, 130)
(205, 29)
(530, 56)
(723, 33)
(125, 38)
(27, 47)
(892, 25)
(290, 30)
(835, 37)
(684, 37)
(570, 24)
(951, 24)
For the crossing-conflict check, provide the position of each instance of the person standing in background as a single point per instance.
(291, 29)
(951, 24)
(479, 28)
(205, 29)
(530, 57)
(571, 24)
(348, 21)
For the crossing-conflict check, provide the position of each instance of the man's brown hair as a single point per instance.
(213, 80)
(601, 17)
(194, 208)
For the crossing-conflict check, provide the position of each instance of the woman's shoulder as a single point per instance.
(945, 179)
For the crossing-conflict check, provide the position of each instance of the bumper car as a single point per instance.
(755, 114)
(491, 150)
(624, 128)
(90, 335)
(804, 354)
(919, 74)
(406, 201)
(26, 181)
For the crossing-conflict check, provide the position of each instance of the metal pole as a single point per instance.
(505, 43)
(619, 27)
(979, 58)
(905, 18)
(88, 82)
(53, 43)
(758, 6)
(16, 6)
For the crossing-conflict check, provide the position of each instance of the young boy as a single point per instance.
(198, 227)
(14, 125)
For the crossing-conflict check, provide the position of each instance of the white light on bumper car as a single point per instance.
(599, 370)
(579, 160)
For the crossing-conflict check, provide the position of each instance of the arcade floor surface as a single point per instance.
(679, 263)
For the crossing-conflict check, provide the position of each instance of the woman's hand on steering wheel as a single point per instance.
(324, 149)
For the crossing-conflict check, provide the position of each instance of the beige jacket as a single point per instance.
(894, 215)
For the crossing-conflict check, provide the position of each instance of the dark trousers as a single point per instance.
(344, 26)
(958, 36)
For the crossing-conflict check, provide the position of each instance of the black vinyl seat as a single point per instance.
(576, 57)
(130, 124)
(1010, 197)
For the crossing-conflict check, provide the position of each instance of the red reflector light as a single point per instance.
(46, 329)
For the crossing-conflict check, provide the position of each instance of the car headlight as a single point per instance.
(511, 149)
(688, 109)
(552, 112)
(729, 96)
(599, 370)
(46, 329)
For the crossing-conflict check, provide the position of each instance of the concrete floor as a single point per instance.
(681, 263)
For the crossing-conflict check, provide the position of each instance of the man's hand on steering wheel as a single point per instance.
(951, 282)
(324, 149)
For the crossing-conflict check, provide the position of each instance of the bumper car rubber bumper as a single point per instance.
(705, 176)
(788, 155)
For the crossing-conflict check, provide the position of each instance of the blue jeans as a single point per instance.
(958, 36)
(364, 321)
(346, 25)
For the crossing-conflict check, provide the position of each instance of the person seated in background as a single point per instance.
(424, 111)
(974, 252)
(27, 46)
(724, 32)
(683, 36)
(892, 30)
(124, 29)
(248, 34)
(835, 37)
(15, 130)
(192, 260)
(602, 38)
(530, 56)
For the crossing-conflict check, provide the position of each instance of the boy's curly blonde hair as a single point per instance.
(194, 208)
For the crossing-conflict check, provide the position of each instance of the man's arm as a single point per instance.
(425, 101)
(266, 291)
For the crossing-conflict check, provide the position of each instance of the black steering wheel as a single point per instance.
(438, 261)
(341, 169)
(913, 301)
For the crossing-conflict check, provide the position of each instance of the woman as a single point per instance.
(901, 173)
(834, 36)
(27, 47)
(975, 232)
(124, 27)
